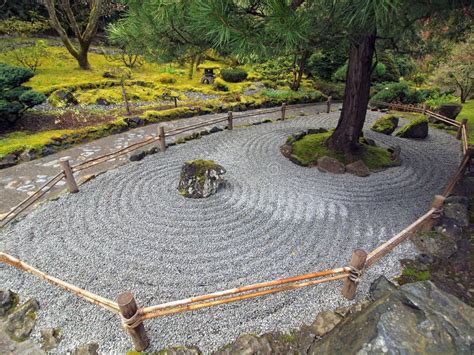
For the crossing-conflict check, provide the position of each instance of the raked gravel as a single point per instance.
(129, 229)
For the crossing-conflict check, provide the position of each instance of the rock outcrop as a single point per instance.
(417, 128)
(200, 178)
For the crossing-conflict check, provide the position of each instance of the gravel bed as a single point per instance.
(129, 229)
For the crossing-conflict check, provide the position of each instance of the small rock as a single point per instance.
(137, 156)
(181, 350)
(28, 155)
(102, 102)
(215, 129)
(50, 338)
(152, 150)
(424, 259)
(8, 160)
(325, 322)
(88, 349)
(330, 165)
(200, 178)
(8, 300)
(21, 322)
(48, 150)
(358, 168)
(395, 153)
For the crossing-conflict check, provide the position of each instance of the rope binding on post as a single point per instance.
(134, 321)
(355, 274)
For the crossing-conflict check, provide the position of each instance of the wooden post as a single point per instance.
(175, 101)
(128, 308)
(423, 110)
(349, 288)
(329, 104)
(161, 135)
(70, 181)
(230, 124)
(463, 123)
(437, 203)
(283, 111)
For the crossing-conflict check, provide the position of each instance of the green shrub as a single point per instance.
(167, 79)
(402, 92)
(14, 98)
(335, 90)
(220, 85)
(15, 26)
(234, 75)
(30, 56)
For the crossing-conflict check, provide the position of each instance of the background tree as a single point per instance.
(15, 98)
(61, 12)
(457, 71)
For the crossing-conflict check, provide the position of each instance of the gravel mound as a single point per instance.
(129, 229)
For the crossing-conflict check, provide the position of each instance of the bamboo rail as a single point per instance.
(88, 296)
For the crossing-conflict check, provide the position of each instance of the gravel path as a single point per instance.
(129, 229)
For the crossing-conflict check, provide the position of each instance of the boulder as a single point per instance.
(21, 322)
(62, 98)
(8, 160)
(88, 349)
(457, 209)
(330, 165)
(50, 338)
(385, 125)
(358, 168)
(325, 322)
(417, 128)
(416, 318)
(200, 178)
(449, 110)
(8, 301)
(102, 102)
(436, 244)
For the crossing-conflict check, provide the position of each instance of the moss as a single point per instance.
(166, 115)
(287, 338)
(410, 274)
(385, 125)
(408, 126)
(313, 146)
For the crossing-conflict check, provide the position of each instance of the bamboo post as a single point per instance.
(128, 309)
(283, 111)
(329, 103)
(161, 135)
(70, 180)
(463, 123)
(230, 124)
(175, 101)
(349, 288)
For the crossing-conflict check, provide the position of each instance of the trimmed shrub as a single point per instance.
(14, 98)
(234, 75)
(335, 90)
(220, 85)
(167, 79)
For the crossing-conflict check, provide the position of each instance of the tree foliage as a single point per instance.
(15, 98)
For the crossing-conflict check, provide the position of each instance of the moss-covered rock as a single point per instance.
(200, 178)
(166, 115)
(386, 124)
(307, 147)
(418, 128)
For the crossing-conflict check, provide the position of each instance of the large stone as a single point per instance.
(21, 322)
(88, 349)
(416, 129)
(358, 168)
(8, 301)
(200, 178)
(434, 243)
(456, 208)
(62, 98)
(325, 322)
(385, 125)
(50, 338)
(449, 110)
(417, 318)
(330, 165)
(8, 160)
(181, 350)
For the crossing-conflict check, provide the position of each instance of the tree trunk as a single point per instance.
(191, 67)
(356, 95)
(83, 60)
(298, 72)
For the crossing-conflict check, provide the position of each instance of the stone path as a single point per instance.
(129, 229)
(19, 181)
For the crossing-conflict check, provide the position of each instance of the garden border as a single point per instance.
(133, 316)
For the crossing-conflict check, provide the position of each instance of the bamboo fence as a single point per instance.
(133, 316)
(71, 184)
